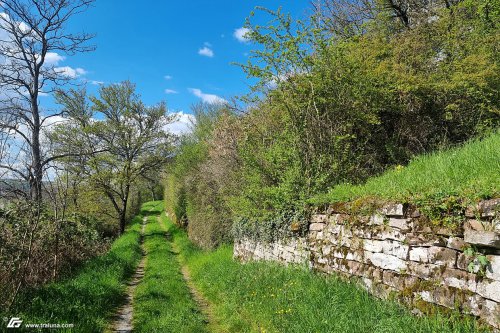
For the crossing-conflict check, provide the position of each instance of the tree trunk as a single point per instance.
(123, 212)
(36, 186)
(123, 221)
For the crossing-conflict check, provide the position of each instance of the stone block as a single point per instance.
(373, 245)
(316, 226)
(444, 297)
(482, 238)
(434, 255)
(448, 232)
(395, 210)
(390, 233)
(354, 267)
(424, 240)
(319, 218)
(419, 254)
(381, 290)
(486, 208)
(474, 225)
(385, 261)
(493, 269)
(424, 271)
(490, 313)
(489, 208)
(334, 218)
(402, 224)
(339, 241)
(333, 229)
(473, 305)
(489, 289)
(393, 279)
(459, 279)
(439, 296)
(326, 250)
(456, 243)
(376, 219)
(348, 255)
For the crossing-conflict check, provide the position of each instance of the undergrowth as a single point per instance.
(89, 298)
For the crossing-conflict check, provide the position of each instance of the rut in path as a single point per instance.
(123, 321)
(203, 304)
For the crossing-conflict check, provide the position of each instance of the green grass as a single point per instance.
(162, 301)
(88, 299)
(266, 297)
(470, 172)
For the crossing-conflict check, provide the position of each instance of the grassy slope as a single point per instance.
(88, 299)
(471, 172)
(266, 297)
(162, 301)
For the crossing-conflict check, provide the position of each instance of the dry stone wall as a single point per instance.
(397, 252)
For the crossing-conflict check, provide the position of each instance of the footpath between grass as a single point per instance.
(162, 301)
(88, 299)
(267, 297)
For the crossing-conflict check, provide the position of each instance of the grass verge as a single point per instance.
(162, 301)
(469, 172)
(88, 299)
(267, 297)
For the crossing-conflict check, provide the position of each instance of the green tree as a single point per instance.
(115, 141)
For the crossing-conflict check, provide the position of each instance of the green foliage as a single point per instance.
(113, 154)
(479, 263)
(267, 297)
(337, 109)
(62, 243)
(442, 183)
(202, 176)
(88, 299)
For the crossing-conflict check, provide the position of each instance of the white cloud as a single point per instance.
(96, 83)
(207, 98)
(52, 58)
(168, 77)
(70, 72)
(241, 34)
(171, 91)
(206, 51)
(182, 125)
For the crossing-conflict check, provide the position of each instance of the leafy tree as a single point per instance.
(115, 141)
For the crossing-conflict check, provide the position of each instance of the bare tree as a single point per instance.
(345, 18)
(32, 37)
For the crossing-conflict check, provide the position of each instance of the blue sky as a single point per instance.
(156, 44)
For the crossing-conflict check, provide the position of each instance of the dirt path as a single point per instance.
(123, 317)
(201, 301)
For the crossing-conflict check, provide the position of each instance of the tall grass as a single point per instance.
(162, 300)
(471, 171)
(88, 299)
(266, 297)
